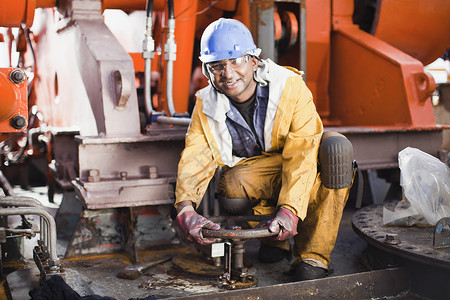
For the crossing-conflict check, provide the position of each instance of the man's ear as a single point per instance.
(254, 62)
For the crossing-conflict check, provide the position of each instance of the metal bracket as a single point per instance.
(441, 238)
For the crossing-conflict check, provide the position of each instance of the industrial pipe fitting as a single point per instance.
(148, 48)
(53, 257)
(29, 202)
(170, 47)
(170, 50)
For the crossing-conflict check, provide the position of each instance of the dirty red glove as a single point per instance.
(191, 224)
(285, 223)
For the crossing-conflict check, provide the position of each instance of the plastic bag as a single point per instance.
(425, 182)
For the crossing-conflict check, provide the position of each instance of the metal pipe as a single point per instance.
(12, 230)
(169, 89)
(173, 121)
(27, 201)
(19, 201)
(205, 202)
(53, 259)
(170, 49)
(303, 38)
(148, 48)
(30, 202)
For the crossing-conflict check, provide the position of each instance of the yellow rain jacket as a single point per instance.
(292, 127)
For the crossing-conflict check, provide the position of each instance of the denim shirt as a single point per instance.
(245, 143)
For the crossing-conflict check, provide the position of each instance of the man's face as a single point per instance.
(234, 77)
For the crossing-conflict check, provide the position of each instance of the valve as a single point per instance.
(236, 275)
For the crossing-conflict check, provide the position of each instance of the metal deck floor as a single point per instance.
(96, 275)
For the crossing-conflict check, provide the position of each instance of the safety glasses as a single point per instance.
(235, 64)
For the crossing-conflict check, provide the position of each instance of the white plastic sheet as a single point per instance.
(425, 182)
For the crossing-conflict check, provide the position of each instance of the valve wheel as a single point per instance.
(234, 232)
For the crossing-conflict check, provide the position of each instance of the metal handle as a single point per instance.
(241, 234)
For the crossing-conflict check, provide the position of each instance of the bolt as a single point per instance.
(93, 175)
(153, 172)
(17, 76)
(54, 263)
(392, 239)
(18, 122)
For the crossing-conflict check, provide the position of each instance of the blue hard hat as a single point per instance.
(226, 39)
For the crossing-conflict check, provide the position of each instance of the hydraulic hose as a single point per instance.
(170, 50)
(170, 9)
(147, 54)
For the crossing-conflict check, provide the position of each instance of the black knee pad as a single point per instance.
(336, 160)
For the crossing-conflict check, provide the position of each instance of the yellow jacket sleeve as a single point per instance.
(299, 156)
(197, 164)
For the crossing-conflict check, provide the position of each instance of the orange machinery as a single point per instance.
(406, 36)
(371, 87)
(416, 28)
(14, 105)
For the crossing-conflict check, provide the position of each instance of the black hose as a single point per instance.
(170, 8)
(149, 8)
(27, 37)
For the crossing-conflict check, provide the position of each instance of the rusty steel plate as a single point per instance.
(414, 243)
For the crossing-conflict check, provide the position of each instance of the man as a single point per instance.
(258, 121)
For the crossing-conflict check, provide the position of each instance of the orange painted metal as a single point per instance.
(373, 83)
(229, 5)
(13, 101)
(138, 62)
(318, 52)
(291, 29)
(278, 28)
(21, 12)
(158, 5)
(45, 3)
(420, 28)
(15, 15)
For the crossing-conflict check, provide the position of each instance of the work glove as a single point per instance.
(191, 224)
(285, 223)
